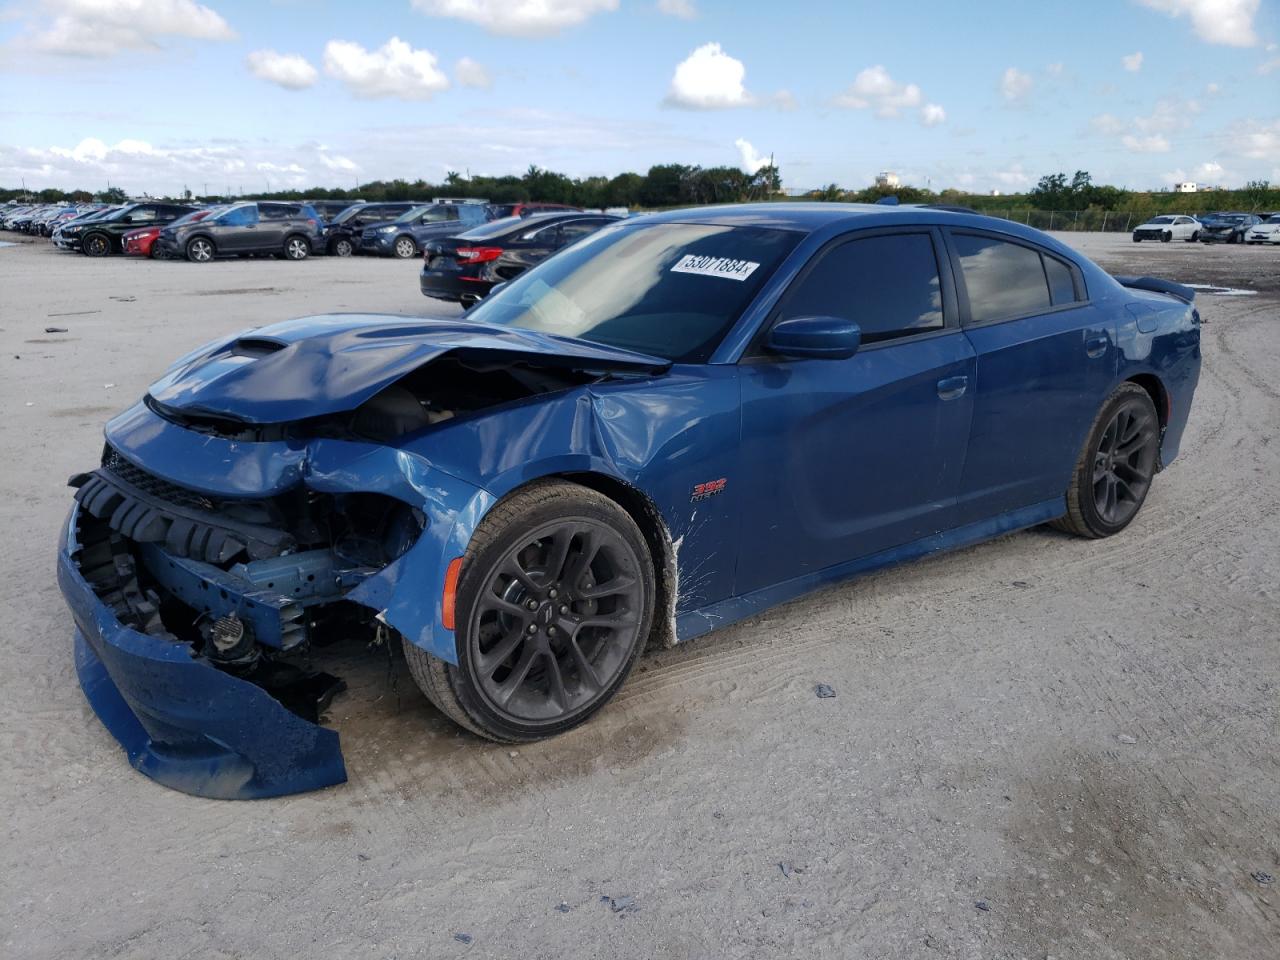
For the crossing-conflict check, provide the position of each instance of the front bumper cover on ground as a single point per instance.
(182, 721)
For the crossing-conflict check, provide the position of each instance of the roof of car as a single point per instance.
(805, 217)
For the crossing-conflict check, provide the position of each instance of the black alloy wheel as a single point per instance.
(1116, 467)
(553, 608)
(96, 245)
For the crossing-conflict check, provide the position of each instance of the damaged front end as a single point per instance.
(235, 524)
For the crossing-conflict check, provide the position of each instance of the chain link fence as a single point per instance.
(1095, 221)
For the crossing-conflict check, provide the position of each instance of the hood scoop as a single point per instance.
(317, 366)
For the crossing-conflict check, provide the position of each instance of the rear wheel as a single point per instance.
(343, 248)
(297, 248)
(1116, 466)
(1194, 237)
(405, 248)
(96, 245)
(554, 604)
(200, 250)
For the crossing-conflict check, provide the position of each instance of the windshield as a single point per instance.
(1161, 220)
(669, 290)
(1274, 219)
(1226, 217)
(347, 214)
(428, 214)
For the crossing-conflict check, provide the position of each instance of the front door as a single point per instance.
(847, 458)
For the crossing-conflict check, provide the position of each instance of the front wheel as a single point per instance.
(200, 250)
(1136, 238)
(297, 248)
(96, 245)
(1114, 472)
(405, 248)
(1166, 236)
(343, 248)
(554, 604)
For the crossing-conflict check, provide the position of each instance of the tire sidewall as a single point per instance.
(191, 244)
(343, 248)
(1088, 509)
(288, 246)
(395, 248)
(475, 573)
(91, 241)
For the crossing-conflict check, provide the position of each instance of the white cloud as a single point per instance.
(874, 89)
(521, 18)
(1015, 85)
(1259, 141)
(751, 160)
(1014, 178)
(393, 70)
(103, 28)
(1268, 66)
(931, 115)
(1132, 62)
(1054, 69)
(1154, 143)
(709, 79)
(468, 73)
(288, 70)
(684, 9)
(1226, 22)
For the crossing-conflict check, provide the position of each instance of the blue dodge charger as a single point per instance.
(669, 426)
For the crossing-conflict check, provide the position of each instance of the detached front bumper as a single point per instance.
(182, 721)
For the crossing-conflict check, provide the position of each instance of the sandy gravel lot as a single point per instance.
(1039, 746)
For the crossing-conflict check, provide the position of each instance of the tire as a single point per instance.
(1194, 237)
(200, 250)
(297, 247)
(1136, 238)
(1166, 236)
(1104, 467)
(405, 247)
(96, 245)
(1233, 239)
(343, 247)
(545, 523)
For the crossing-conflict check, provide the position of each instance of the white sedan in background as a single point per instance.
(1268, 231)
(1166, 228)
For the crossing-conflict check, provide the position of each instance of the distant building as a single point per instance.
(1206, 188)
(995, 193)
(1188, 187)
(887, 178)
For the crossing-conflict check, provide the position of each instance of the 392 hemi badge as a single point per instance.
(709, 489)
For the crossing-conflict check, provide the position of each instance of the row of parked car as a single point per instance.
(468, 246)
(1224, 227)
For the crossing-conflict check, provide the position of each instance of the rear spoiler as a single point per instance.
(1156, 285)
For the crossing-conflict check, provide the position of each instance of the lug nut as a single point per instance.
(564, 608)
(533, 628)
(531, 604)
(551, 631)
(552, 593)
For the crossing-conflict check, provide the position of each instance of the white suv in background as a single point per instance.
(1268, 231)
(1166, 228)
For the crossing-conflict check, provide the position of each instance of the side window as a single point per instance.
(146, 214)
(1062, 286)
(888, 285)
(239, 217)
(577, 229)
(438, 214)
(1004, 280)
(278, 211)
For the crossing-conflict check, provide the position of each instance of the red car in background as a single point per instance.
(142, 243)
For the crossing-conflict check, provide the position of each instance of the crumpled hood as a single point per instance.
(327, 364)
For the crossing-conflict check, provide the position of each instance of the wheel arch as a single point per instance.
(1157, 391)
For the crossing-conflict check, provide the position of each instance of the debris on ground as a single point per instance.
(463, 937)
(1125, 738)
(55, 329)
(563, 907)
(789, 869)
(1263, 877)
(363, 857)
(1020, 583)
(823, 691)
(982, 905)
(620, 904)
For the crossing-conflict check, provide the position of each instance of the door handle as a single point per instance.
(1097, 346)
(949, 388)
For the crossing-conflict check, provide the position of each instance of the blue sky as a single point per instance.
(161, 94)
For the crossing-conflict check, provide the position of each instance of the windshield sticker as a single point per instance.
(708, 266)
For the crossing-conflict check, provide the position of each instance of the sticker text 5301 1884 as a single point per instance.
(708, 266)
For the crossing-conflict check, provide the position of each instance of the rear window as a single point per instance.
(669, 290)
(1004, 280)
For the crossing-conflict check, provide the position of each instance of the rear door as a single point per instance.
(236, 231)
(275, 220)
(843, 459)
(1046, 358)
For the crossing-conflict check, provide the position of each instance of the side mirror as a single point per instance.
(815, 338)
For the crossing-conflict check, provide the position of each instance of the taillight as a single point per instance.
(478, 254)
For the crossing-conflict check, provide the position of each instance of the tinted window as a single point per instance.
(495, 229)
(1062, 287)
(145, 214)
(888, 285)
(666, 289)
(239, 217)
(1003, 279)
(277, 211)
(577, 229)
